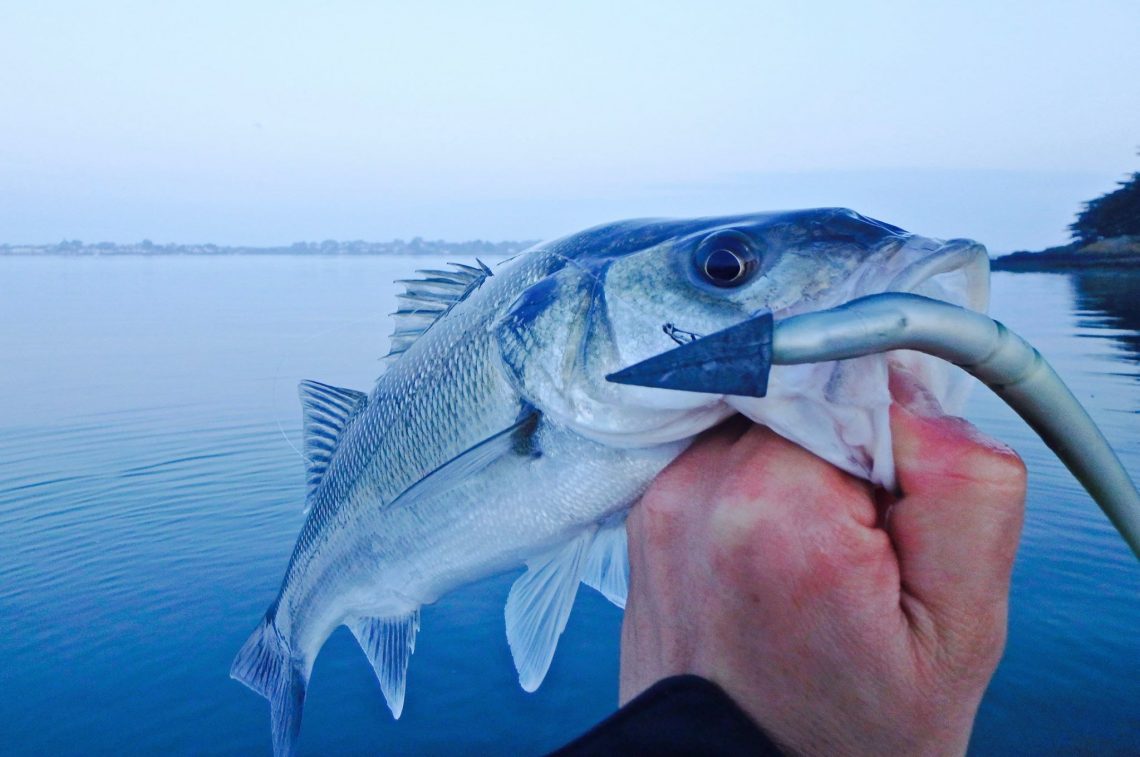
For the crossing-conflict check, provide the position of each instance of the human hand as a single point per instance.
(842, 620)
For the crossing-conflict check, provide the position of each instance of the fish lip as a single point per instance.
(964, 256)
(910, 264)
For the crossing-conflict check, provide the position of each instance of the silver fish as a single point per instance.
(493, 439)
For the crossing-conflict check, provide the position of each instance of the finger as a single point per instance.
(764, 466)
(671, 503)
(788, 524)
(957, 522)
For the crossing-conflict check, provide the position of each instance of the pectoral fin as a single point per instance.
(517, 438)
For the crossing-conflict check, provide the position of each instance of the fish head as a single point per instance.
(619, 295)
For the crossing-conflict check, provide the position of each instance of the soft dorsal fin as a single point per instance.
(388, 643)
(606, 567)
(539, 605)
(428, 298)
(327, 410)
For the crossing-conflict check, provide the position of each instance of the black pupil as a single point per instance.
(724, 265)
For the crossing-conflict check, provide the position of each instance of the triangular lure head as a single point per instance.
(733, 361)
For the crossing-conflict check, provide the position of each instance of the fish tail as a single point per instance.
(266, 665)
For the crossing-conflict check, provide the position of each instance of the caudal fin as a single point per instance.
(266, 665)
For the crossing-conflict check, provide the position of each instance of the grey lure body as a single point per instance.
(494, 440)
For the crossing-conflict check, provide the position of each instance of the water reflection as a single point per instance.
(1106, 300)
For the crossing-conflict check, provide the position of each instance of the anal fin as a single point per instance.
(388, 643)
(539, 606)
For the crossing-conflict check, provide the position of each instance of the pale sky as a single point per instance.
(270, 122)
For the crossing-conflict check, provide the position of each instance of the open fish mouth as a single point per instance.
(955, 271)
(958, 270)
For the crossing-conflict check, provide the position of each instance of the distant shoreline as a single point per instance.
(330, 248)
(1121, 253)
(1108, 254)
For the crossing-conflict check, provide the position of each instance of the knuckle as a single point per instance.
(734, 536)
(985, 469)
(988, 460)
(999, 466)
(955, 450)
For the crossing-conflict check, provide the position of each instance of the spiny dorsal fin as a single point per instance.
(327, 410)
(428, 298)
(388, 643)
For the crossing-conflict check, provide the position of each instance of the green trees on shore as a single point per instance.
(1114, 214)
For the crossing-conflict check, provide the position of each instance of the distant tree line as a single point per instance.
(1115, 214)
(416, 246)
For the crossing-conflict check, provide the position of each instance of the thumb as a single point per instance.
(956, 524)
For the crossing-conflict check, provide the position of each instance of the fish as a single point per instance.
(492, 439)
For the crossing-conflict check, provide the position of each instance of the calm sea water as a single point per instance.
(149, 499)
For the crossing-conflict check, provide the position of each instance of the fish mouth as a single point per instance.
(956, 271)
(837, 408)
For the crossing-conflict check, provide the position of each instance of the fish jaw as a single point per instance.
(840, 410)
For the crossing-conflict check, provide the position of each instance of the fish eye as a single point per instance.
(726, 259)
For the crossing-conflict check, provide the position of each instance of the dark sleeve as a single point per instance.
(682, 715)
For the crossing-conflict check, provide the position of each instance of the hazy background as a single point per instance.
(270, 122)
(148, 502)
